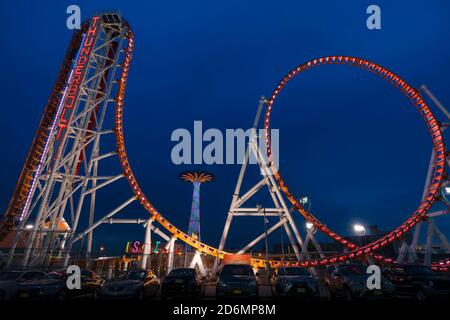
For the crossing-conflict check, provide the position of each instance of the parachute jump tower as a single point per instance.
(196, 178)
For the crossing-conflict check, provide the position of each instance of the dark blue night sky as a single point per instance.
(349, 140)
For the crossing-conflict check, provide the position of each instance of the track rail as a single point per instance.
(37, 148)
(438, 166)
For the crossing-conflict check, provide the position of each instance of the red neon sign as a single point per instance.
(78, 74)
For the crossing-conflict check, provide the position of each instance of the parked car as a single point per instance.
(294, 281)
(236, 280)
(138, 284)
(51, 285)
(350, 281)
(13, 282)
(182, 282)
(54, 286)
(418, 281)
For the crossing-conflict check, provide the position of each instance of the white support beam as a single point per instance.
(147, 245)
(106, 217)
(279, 210)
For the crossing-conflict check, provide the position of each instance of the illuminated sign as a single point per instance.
(156, 247)
(67, 102)
(79, 71)
(135, 247)
(138, 247)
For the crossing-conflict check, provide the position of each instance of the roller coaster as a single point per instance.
(61, 168)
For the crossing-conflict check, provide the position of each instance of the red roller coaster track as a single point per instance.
(42, 135)
(412, 94)
(438, 165)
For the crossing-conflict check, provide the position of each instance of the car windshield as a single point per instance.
(182, 273)
(135, 275)
(293, 272)
(419, 270)
(357, 269)
(231, 270)
(11, 275)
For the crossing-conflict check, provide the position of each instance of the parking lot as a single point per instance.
(339, 282)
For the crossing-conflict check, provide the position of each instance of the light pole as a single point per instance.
(102, 248)
(265, 238)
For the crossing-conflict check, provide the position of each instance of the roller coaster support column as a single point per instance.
(237, 189)
(279, 210)
(171, 248)
(147, 245)
(416, 235)
(310, 238)
(197, 261)
(149, 227)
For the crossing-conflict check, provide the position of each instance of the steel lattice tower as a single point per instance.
(61, 169)
(197, 178)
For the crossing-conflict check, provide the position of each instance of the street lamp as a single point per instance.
(309, 225)
(359, 229)
(260, 208)
(29, 226)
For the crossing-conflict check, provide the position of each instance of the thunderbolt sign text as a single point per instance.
(78, 74)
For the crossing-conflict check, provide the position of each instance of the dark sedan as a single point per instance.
(12, 283)
(350, 281)
(53, 286)
(138, 284)
(418, 281)
(182, 282)
(294, 281)
(237, 280)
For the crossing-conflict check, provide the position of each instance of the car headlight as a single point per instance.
(312, 284)
(222, 284)
(289, 283)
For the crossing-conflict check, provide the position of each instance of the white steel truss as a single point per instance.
(280, 208)
(408, 252)
(70, 171)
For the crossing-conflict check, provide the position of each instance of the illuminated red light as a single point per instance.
(434, 130)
